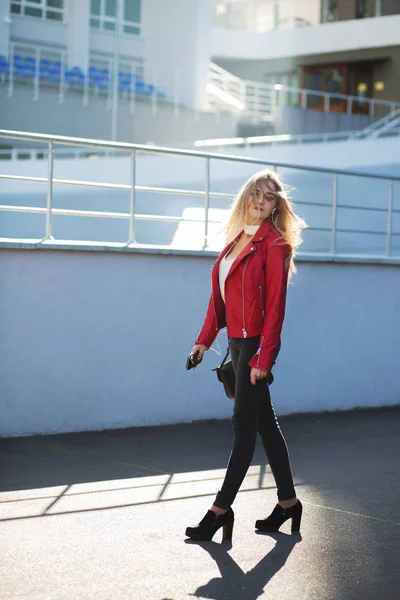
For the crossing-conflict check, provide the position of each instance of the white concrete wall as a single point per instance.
(78, 28)
(93, 340)
(340, 155)
(131, 46)
(321, 39)
(360, 229)
(5, 23)
(178, 36)
(34, 31)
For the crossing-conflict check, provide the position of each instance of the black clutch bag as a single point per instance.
(226, 376)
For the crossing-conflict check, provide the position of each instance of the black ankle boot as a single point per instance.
(279, 515)
(210, 523)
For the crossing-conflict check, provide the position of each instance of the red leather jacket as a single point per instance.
(255, 295)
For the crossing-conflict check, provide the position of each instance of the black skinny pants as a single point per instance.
(253, 412)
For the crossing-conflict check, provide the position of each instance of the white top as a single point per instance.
(224, 267)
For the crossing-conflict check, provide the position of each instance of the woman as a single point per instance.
(249, 282)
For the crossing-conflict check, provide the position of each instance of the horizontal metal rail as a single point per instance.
(275, 139)
(133, 149)
(145, 149)
(261, 100)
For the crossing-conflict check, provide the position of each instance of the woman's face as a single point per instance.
(260, 205)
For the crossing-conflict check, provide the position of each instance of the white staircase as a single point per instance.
(389, 125)
(250, 99)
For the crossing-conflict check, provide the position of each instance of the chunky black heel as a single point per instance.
(296, 518)
(227, 531)
(210, 524)
(279, 515)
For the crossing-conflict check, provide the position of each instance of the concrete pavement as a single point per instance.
(102, 515)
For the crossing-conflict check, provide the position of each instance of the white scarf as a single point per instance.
(251, 229)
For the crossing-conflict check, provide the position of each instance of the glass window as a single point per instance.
(132, 11)
(314, 81)
(111, 8)
(132, 29)
(53, 16)
(390, 7)
(95, 7)
(37, 8)
(32, 12)
(104, 15)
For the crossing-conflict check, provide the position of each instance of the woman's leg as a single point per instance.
(248, 401)
(275, 449)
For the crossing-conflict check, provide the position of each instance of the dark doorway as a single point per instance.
(343, 79)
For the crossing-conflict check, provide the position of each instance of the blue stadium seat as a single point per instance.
(31, 62)
(4, 66)
(22, 68)
(101, 78)
(75, 76)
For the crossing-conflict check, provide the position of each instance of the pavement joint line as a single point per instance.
(118, 506)
(167, 473)
(118, 462)
(348, 512)
(123, 489)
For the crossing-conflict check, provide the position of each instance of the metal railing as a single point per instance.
(264, 16)
(42, 68)
(260, 101)
(383, 126)
(50, 141)
(273, 140)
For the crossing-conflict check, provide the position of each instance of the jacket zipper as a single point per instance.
(244, 319)
(215, 312)
(259, 350)
(262, 303)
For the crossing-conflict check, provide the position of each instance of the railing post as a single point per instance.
(36, 81)
(371, 108)
(86, 88)
(62, 77)
(206, 203)
(176, 93)
(389, 221)
(256, 114)
(49, 199)
(303, 99)
(349, 106)
(334, 213)
(154, 96)
(132, 195)
(132, 89)
(243, 98)
(11, 74)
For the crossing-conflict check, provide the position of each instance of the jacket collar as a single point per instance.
(262, 232)
(265, 227)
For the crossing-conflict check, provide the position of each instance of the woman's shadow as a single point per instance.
(235, 583)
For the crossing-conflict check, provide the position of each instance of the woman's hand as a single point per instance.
(200, 348)
(257, 374)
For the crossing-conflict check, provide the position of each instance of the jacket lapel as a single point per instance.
(264, 229)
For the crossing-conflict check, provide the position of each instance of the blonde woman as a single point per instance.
(249, 283)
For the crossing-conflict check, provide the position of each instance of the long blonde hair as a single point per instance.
(287, 223)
